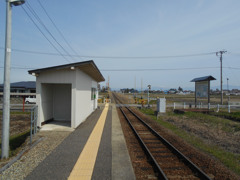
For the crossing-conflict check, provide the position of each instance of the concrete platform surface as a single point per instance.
(111, 162)
(57, 126)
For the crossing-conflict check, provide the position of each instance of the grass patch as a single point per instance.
(225, 124)
(16, 113)
(15, 142)
(229, 159)
(235, 116)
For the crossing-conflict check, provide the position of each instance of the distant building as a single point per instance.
(22, 87)
(172, 91)
(235, 91)
(127, 90)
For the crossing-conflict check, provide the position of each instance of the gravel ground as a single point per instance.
(31, 158)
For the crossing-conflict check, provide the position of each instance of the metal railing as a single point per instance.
(34, 116)
(200, 105)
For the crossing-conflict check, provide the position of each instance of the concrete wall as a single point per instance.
(46, 101)
(95, 102)
(65, 95)
(83, 97)
(62, 102)
(58, 77)
(45, 92)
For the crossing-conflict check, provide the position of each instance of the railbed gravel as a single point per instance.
(34, 156)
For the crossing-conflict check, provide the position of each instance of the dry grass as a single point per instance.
(216, 136)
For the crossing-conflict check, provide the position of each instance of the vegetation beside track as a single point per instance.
(16, 112)
(19, 131)
(188, 98)
(212, 121)
(229, 159)
(234, 116)
(15, 142)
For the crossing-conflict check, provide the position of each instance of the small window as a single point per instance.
(93, 94)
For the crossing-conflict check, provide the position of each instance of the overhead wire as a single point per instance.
(45, 27)
(113, 57)
(54, 24)
(67, 54)
(44, 34)
(152, 57)
(160, 69)
(234, 75)
(234, 53)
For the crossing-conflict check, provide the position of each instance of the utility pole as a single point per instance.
(7, 64)
(135, 89)
(221, 52)
(108, 84)
(228, 92)
(227, 85)
(149, 88)
(6, 92)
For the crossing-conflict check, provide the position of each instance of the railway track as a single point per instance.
(167, 161)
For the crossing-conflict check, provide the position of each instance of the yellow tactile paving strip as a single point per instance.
(84, 166)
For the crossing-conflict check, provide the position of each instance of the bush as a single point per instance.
(16, 141)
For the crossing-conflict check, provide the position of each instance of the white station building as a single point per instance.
(67, 92)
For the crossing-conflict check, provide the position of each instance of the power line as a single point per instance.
(150, 57)
(112, 57)
(234, 53)
(235, 76)
(45, 27)
(36, 52)
(232, 68)
(18, 68)
(54, 24)
(44, 34)
(168, 69)
(125, 70)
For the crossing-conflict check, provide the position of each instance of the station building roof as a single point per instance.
(204, 78)
(88, 67)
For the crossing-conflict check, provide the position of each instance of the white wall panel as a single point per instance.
(65, 95)
(83, 97)
(57, 77)
(46, 102)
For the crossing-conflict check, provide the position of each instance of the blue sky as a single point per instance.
(136, 28)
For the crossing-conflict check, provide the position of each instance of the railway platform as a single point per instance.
(94, 150)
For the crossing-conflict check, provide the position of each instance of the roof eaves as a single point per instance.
(204, 78)
(60, 67)
(100, 77)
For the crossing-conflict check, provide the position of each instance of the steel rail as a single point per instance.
(161, 174)
(188, 162)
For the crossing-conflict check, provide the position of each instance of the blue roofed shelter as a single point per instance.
(202, 88)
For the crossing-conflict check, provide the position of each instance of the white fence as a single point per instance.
(230, 106)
